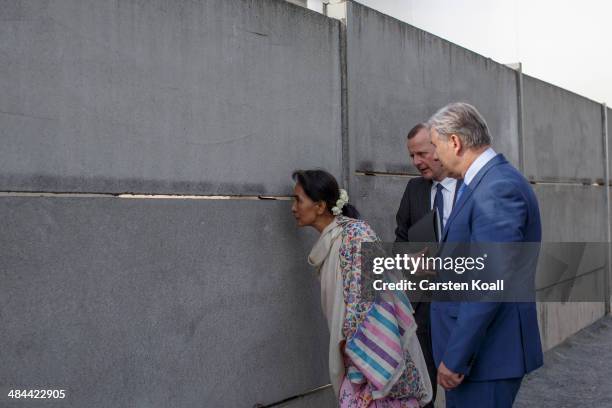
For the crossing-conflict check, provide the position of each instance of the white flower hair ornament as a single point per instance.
(337, 209)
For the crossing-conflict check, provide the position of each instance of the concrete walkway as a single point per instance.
(577, 373)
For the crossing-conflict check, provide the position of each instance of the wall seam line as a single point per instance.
(607, 279)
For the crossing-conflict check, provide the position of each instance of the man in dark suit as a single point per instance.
(483, 349)
(433, 190)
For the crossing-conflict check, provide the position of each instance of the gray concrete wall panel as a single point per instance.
(563, 135)
(210, 97)
(158, 303)
(560, 320)
(399, 75)
(378, 198)
(572, 213)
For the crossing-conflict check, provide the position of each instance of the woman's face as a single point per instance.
(304, 209)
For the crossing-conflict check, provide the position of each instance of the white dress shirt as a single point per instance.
(448, 194)
(478, 164)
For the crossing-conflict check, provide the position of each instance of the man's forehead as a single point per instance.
(421, 137)
(423, 146)
(422, 134)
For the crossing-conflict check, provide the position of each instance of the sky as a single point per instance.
(566, 43)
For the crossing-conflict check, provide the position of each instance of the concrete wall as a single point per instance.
(157, 302)
(399, 75)
(162, 302)
(131, 303)
(207, 97)
(379, 197)
(570, 213)
(564, 145)
(563, 135)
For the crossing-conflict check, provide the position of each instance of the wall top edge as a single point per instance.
(564, 90)
(354, 5)
(304, 11)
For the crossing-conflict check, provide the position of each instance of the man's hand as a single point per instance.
(421, 272)
(448, 379)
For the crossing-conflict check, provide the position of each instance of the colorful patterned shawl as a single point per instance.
(381, 332)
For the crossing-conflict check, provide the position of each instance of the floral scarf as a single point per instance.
(407, 376)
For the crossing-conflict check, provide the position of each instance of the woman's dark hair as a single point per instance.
(319, 185)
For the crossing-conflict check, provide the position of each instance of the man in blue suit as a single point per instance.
(483, 349)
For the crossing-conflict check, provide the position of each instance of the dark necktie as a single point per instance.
(439, 204)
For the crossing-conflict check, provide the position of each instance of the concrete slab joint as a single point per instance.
(303, 3)
(336, 9)
(606, 136)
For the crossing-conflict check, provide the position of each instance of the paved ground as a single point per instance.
(577, 373)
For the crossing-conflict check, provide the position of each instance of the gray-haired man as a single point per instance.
(483, 349)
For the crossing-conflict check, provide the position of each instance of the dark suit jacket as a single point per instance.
(416, 202)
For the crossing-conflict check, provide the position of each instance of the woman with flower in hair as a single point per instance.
(375, 360)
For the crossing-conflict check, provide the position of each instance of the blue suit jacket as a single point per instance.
(488, 340)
